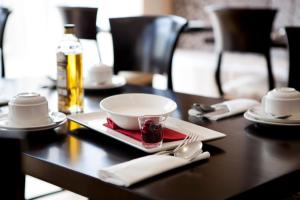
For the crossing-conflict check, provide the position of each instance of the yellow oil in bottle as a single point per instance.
(70, 74)
(70, 98)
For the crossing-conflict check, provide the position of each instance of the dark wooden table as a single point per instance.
(252, 161)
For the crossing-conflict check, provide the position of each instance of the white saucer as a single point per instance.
(55, 120)
(116, 82)
(257, 115)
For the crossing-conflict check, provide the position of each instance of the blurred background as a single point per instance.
(35, 28)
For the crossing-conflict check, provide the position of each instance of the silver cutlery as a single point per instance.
(206, 113)
(203, 108)
(280, 117)
(187, 149)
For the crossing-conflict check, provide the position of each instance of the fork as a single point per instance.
(190, 138)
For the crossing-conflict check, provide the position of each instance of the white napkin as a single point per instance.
(133, 171)
(233, 107)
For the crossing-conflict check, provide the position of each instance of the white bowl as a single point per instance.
(124, 109)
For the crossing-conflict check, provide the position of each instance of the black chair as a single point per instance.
(84, 19)
(4, 13)
(12, 178)
(146, 43)
(242, 30)
(293, 40)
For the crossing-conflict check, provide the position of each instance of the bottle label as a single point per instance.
(62, 73)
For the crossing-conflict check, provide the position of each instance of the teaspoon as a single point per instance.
(189, 151)
(280, 117)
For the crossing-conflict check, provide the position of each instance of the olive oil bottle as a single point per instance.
(70, 73)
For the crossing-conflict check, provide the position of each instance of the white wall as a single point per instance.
(34, 30)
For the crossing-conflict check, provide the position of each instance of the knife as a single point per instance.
(216, 111)
(219, 110)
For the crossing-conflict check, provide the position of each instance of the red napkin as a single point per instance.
(169, 134)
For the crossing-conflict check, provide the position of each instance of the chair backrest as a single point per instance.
(4, 13)
(242, 29)
(293, 40)
(12, 178)
(84, 19)
(146, 43)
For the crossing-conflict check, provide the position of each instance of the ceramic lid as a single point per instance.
(284, 93)
(27, 98)
(100, 68)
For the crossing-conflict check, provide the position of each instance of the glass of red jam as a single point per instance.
(152, 130)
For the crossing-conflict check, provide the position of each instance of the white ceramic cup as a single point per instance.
(282, 102)
(28, 109)
(100, 74)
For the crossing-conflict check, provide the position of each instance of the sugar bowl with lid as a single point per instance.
(28, 109)
(281, 102)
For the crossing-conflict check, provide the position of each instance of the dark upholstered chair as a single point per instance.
(84, 19)
(146, 43)
(4, 13)
(242, 30)
(293, 40)
(12, 178)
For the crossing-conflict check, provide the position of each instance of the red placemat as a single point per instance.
(169, 134)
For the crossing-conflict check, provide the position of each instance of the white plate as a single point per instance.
(96, 120)
(55, 120)
(250, 117)
(258, 113)
(116, 82)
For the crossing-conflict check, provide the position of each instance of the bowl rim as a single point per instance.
(115, 113)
